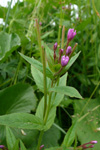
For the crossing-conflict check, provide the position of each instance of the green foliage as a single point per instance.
(22, 121)
(70, 135)
(66, 90)
(11, 140)
(38, 77)
(37, 65)
(88, 123)
(8, 43)
(19, 99)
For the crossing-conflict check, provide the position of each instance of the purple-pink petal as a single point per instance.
(71, 34)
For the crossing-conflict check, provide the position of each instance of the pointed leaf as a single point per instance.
(38, 77)
(22, 147)
(22, 120)
(37, 65)
(16, 146)
(70, 135)
(67, 90)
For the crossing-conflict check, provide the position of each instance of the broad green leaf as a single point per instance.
(67, 90)
(22, 121)
(70, 135)
(88, 128)
(22, 147)
(37, 65)
(10, 138)
(19, 98)
(38, 77)
(8, 43)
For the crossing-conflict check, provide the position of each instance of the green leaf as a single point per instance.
(56, 99)
(70, 63)
(37, 65)
(22, 121)
(88, 128)
(67, 90)
(38, 77)
(46, 34)
(51, 116)
(19, 98)
(72, 60)
(70, 135)
(22, 147)
(16, 146)
(8, 43)
(10, 138)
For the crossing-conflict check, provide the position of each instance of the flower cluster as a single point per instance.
(85, 146)
(68, 50)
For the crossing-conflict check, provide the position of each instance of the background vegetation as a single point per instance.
(18, 34)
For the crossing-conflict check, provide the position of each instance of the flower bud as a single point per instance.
(93, 142)
(55, 46)
(41, 146)
(68, 50)
(64, 60)
(40, 23)
(71, 34)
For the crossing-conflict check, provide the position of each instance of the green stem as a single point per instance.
(45, 81)
(63, 35)
(40, 140)
(60, 25)
(73, 49)
(45, 119)
(7, 16)
(48, 108)
(39, 38)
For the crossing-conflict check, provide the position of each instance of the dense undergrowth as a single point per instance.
(74, 121)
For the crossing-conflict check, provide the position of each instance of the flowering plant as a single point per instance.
(50, 75)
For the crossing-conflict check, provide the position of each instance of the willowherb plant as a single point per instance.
(50, 75)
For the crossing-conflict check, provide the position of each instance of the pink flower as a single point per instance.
(64, 60)
(68, 50)
(71, 34)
